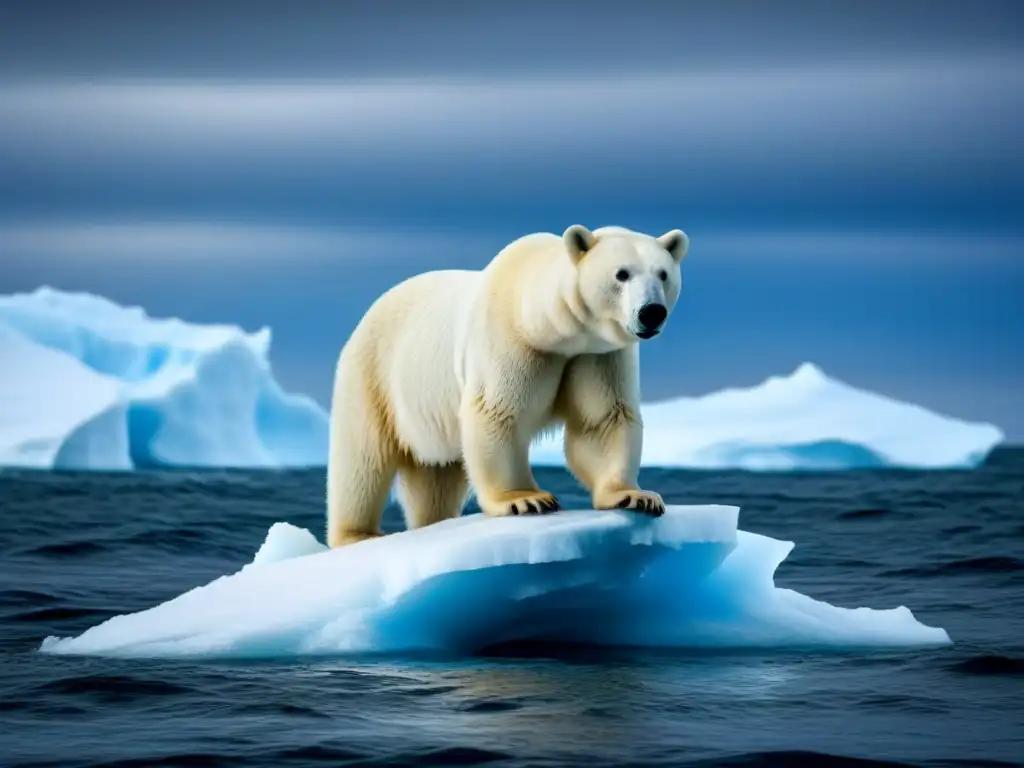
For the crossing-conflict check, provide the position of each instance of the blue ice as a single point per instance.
(689, 579)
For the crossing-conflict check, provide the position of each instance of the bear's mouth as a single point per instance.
(647, 334)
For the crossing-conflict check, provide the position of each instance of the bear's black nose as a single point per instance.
(651, 316)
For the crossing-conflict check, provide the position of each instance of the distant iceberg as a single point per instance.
(689, 579)
(89, 384)
(802, 421)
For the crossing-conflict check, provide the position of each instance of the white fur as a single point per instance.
(451, 374)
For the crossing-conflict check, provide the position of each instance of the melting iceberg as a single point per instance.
(89, 384)
(802, 421)
(689, 579)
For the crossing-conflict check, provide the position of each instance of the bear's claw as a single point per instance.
(539, 504)
(643, 501)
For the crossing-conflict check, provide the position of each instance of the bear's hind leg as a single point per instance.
(358, 487)
(429, 494)
(361, 467)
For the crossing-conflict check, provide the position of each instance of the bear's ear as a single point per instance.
(578, 239)
(676, 243)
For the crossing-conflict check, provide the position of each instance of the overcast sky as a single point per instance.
(851, 174)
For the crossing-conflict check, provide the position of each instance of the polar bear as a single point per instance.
(451, 374)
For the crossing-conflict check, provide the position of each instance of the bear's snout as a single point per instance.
(651, 316)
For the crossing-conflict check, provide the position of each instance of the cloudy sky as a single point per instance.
(851, 174)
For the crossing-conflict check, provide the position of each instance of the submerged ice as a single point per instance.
(689, 579)
(90, 384)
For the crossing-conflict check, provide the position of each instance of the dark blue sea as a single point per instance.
(77, 549)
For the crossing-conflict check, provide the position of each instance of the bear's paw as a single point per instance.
(648, 502)
(520, 503)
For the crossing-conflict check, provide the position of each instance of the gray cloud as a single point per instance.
(178, 243)
(319, 38)
(887, 112)
(204, 242)
(932, 127)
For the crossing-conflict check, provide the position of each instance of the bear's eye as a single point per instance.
(662, 275)
(622, 275)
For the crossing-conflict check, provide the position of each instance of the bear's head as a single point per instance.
(627, 279)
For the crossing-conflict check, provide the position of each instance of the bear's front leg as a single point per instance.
(605, 457)
(604, 432)
(497, 462)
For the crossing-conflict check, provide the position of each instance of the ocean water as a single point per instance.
(76, 549)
